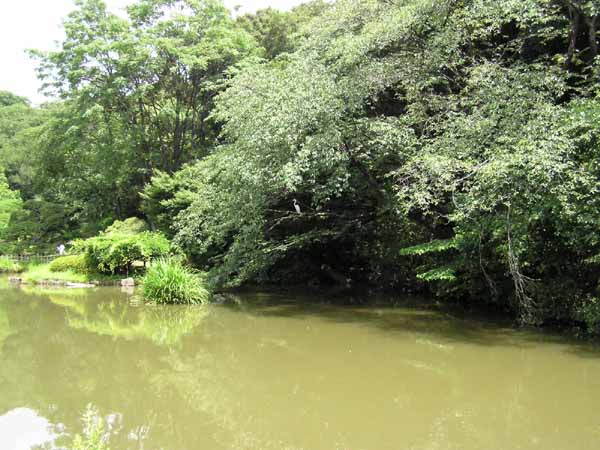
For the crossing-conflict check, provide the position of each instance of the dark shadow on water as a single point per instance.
(412, 315)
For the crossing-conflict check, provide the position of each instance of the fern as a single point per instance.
(438, 274)
(436, 246)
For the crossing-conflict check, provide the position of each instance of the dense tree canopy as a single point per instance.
(9, 201)
(280, 32)
(449, 146)
(9, 99)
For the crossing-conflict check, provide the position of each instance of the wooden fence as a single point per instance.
(39, 259)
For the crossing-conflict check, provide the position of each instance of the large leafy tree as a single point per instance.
(465, 127)
(17, 120)
(137, 93)
(298, 129)
(155, 72)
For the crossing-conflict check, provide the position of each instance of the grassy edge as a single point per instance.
(9, 267)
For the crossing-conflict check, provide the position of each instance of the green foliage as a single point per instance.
(167, 195)
(315, 146)
(9, 99)
(74, 263)
(435, 246)
(401, 121)
(10, 201)
(116, 253)
(439, 274)
(589, 313)
(133, 225)
(167, 281)
(470, 126)
(135, 93)
(39, 226)
(595, 259)
(42, 218)
(434, 251)
(280, 32)
(8, 266)
(19, 125)
(147, 82)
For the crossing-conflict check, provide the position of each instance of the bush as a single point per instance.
(167, 281)
(74, 263)
(115, 252)
(7, 266)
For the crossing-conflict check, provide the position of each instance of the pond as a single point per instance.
(266, 371)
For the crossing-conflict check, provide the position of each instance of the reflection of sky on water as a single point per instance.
(22, 428)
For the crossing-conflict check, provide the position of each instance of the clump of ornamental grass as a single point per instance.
(168, 281)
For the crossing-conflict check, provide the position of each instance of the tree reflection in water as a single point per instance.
(279, 374)
(152, 373)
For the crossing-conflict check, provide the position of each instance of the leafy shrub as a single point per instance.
(438, 274)
(168, 281)
(430, 251)
(115, 252)
(74, 263)
(7, 266)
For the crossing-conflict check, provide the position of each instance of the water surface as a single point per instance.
(275, 372)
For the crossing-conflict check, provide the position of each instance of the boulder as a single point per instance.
(128, 282)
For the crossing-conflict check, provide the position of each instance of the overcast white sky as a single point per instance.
(37, 24)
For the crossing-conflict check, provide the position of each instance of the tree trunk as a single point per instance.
(592, 24)
(575, 16)
(177, 143)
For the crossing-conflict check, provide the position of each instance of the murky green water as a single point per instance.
(257, 375)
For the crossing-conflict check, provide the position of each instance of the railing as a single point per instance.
(39, 259)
